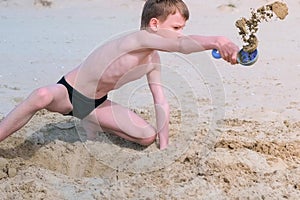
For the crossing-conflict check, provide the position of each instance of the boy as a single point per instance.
(83, 91)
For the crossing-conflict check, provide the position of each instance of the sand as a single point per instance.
(234, 129)
(248, 27)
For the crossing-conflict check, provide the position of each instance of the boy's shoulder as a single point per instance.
(134, 40)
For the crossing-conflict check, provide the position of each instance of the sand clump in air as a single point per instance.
(248, 27)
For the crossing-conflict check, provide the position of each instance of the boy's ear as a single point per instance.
(153, 24)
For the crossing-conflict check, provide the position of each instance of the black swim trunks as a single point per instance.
(82, 105)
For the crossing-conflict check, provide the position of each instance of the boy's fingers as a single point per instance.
(234, 58)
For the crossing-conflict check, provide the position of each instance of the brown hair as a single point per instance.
(161, 9)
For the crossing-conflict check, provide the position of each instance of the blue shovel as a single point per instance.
(243, 58)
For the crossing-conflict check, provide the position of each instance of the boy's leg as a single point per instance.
(54, 98)
(114, 118)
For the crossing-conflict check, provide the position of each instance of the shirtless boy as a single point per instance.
(83, 91)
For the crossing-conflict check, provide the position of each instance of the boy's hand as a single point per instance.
(163, 140)
(228, 50)
(162, 119)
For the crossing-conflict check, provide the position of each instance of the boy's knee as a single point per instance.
(42, 97)
(147, 141)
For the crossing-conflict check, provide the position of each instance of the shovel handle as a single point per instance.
(215, 53)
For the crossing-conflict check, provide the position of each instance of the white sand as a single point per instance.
(253, 153)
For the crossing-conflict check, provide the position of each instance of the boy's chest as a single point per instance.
(127, 68)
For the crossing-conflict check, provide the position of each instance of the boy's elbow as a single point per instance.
(165, 106)
(182, 47)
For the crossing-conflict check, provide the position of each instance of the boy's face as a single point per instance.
(172, 27)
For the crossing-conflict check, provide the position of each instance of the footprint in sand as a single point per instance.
(228, 8)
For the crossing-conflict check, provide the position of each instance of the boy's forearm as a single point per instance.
(162, 119)
(163, 134)
(197, 43)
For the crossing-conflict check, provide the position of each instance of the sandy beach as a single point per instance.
(234, 130)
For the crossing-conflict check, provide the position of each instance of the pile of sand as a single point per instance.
(250, 158)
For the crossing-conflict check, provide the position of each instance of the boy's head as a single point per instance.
(156, 12)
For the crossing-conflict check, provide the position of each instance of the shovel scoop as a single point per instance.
(243, 58)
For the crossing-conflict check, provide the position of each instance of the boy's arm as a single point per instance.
(190, 44)
(160, 103)
(226, 48)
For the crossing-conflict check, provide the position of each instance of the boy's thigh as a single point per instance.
(61, 102)
(111, 115)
